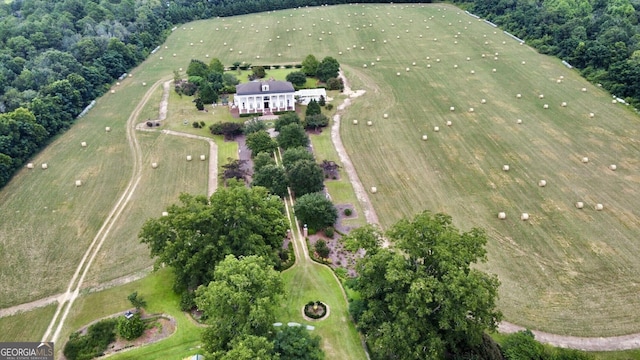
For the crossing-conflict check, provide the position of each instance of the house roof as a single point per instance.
(312, 92)
(255, 87)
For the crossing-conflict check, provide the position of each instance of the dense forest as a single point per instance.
(57, 56)
(601, 38)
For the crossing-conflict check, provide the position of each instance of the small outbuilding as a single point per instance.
(304, 96)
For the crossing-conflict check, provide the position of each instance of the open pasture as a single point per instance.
(564, 270)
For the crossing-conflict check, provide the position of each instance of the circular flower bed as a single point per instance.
(315, 310)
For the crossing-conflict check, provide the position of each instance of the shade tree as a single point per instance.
(305, 176)
(286, 119)
(273, 177)
(261, 141)
(295, 154)
(315, 210)
(292, 135)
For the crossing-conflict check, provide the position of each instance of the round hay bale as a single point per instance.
(468, 59)
(564, 104)
(190, 44)
(545, 106)
(203, 157)
(502, 215)
(614, 101)
(524, 63)
(455, 42)
(83, 144)
(584, 89)
(373, 64)
(613, 167)
(472, 72)
(452, 109)
(206, 56)
(413, 63)
(561, 77)
(449, 123)
(558, 81)
(483, 101)
(113, 91)
(437, 60)
(435, 39)
(369, 123)
(164, 213)
(364, 65)
(542, 183)
(518, 96)
(519, 121)
(154, 165)
(420, 35)
(425, 137)
(386, 116)
(378, 58)
(130, 75)
(407, 69)
(471, 109)
(585, 160)
(144, 84)
(592, 115)
(339, 53)
(579, 204)
(44, 166)
(429, 66)
(174, 54)
(599, 207)
(361, 47)
(505, 167)
(118, 83)
(436, 128)
(30, 166)
(78, 182)
(107, 129)
(494, 70)
(189, 157)
(161, 58)
(495, 58)
(355, 122)
(384, 41)
(524, 216)
(374, 189)
(398, 74)
(455, 66)
(541, 96)
(483, 55)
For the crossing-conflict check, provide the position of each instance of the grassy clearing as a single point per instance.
(157, 290)
(14, 329)
(311, 282)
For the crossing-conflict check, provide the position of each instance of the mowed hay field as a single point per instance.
(565, 270)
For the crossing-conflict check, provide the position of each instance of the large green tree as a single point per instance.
(250, 347)
(310, 65)
(292, 135)
(241, 300)
(286, 119)
(297, 343)
(422, 298)
(305, 176)
(297, 78)
(261, 141)
(199, 232)
(272, 177)
(315, 210)
(295, 154)
(328, 68)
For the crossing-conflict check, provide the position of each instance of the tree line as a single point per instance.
(600, 38)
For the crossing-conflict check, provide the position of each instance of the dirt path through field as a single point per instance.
(67, 299)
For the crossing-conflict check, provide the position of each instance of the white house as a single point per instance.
(306, 95)
(264, 97)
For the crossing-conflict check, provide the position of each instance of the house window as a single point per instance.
(265, 87)
(244, 107)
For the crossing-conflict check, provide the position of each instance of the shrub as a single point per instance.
(94, 343)
(347, 212)
(329, 106)
(329, 232)
(322, 249)
(131, 328)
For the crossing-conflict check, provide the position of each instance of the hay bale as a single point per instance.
(494, 70)
(429, 66)
(339, 53)
(189, 158)
(203, 157)
(524, 63)
(579, 204)
(154, 165)
(369, 123)
(452, 109)
(524, 216)
(518, 96)
(355, 122)
(449, 123)
(519, 121)
(483, 101)
(164, 213)
(471, 109)
(374, 189)
(561, 77)
(413, 63)
(505, 167)
(564, 104)
(436, 128)
(591, 115)
(107, 129)
(78, 183)
(558, 81)
(437, 60)
(30, 166)
(545, 106)
(542, 183)
(373, 64)
(585, 160)
(613, 167)
(144, 84)
(599, 207)
(472, 72)
(83, 144)
(407, 69)
(113, 91)
(161, 58)
(398, 74)
(614, 101)
(455, 66)
(541, 96)
(502, 215)
(386, 116)
(364, 65)
(468, 59)
(118, 83)
(584, 89)
(44, 166)
(174, 54)
(424, 137)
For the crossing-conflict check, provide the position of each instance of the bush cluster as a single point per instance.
(94, 343)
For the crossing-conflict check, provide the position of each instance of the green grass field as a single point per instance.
(565, 270)
(14, 329)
